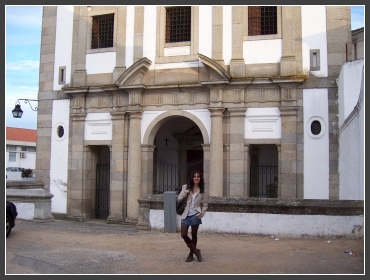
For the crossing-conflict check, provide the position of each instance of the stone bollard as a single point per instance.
(169, 201)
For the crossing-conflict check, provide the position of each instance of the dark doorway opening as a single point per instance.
(102, 180)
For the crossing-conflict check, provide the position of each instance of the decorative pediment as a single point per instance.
(135, 73)
(217, 73)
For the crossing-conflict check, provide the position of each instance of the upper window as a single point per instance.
(102, 31)
(178, 24)
(12, 156)
(11, 148)
(262, 20)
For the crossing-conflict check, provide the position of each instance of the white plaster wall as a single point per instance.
(262, 51)
(25, 210)
(13, 176)
(274, 224)
(316, 148)
(130, 20)
(29, 161)
(150, 29)
(146, 118)
(100, 62)
(204, 116)
(314, 37)
(262, 123)
(185, 64)
(59, 156)
(205, 30)
(227, 36)
(98, 126)
(63, 44)
(175, 51)
(351, 156)
(349, 83)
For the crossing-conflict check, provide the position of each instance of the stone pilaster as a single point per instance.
(216, 153)
(339, 34)
(236, 184)
(45, 96)
(117, 196)
(288, 154)
(77, 159)
(76, 169)
(291, 59)
(138, 33)
(134, 166)
(237, 63)
(121, 43)
(217, 35)
(79, 75)
(147, 153)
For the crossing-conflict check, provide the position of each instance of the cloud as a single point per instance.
(23, 66)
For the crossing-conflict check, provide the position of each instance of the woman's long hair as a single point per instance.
(191, 182)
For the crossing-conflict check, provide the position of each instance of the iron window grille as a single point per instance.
(262, 20)
(102, 31)
(178, 24)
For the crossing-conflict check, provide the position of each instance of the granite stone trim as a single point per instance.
(284, 206)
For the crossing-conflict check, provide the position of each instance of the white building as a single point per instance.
(122, 99)
(20, 151)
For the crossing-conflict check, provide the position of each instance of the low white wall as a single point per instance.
(25, 210)
(272, 224)
(13, 176)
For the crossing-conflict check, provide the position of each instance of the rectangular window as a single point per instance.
(102, 31)
(178, 24)
(62, 75)
(24, 148)
(31, 149)
(315, 60)
(262, 20)
(12, 157)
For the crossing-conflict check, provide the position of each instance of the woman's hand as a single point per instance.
(187, 191)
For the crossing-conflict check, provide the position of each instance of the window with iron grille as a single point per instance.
(178, 24)
(102, 31)
(262, 20)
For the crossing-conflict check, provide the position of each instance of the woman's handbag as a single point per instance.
(180, 206)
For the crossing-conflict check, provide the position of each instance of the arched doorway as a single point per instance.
(178, 151)
(175, 121)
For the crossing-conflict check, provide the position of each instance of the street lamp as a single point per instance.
(17, 111)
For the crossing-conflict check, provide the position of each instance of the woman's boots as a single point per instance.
(194, 250)
(190, 257)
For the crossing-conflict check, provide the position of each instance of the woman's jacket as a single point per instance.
(201, 202)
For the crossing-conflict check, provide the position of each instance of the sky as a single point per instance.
(22, 54)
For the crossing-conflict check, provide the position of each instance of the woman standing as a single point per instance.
(196, 207)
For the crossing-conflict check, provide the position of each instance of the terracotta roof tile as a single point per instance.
(21, 134)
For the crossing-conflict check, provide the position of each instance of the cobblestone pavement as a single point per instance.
(94, 247)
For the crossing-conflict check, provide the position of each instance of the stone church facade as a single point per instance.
(232, 87)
